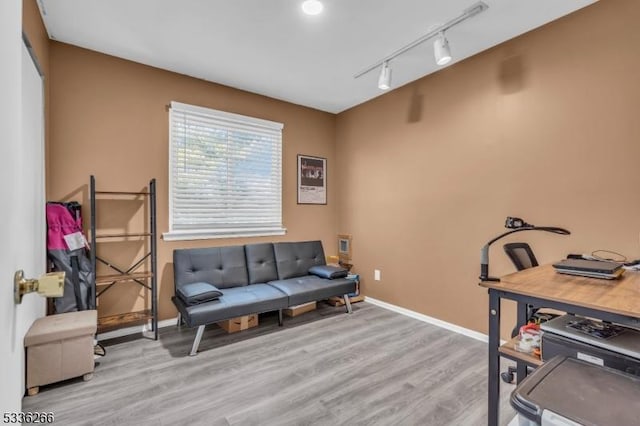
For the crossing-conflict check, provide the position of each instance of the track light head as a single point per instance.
(441, 50)
(384, 81)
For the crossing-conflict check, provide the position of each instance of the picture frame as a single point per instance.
(312, 179)
(344, 248)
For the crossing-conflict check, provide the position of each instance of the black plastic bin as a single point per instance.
(565, 390)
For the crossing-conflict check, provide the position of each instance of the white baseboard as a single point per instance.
(144, 329)
(425, 318)
(127, 331)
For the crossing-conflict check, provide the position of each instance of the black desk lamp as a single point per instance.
(514, 224)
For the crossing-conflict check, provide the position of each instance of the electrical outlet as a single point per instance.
(376, 274)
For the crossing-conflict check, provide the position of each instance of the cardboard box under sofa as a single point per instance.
(238, 324)
(294, 311)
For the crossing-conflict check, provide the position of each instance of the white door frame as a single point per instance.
(21, 224)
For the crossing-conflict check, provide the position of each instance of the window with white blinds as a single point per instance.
(225, 174)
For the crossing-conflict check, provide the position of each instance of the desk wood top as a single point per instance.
(621, 296)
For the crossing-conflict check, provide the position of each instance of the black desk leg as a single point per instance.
(494, 357)
(521, 370)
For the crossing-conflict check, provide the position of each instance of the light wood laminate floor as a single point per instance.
(374, 367)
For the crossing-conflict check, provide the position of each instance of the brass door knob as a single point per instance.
(48, 285)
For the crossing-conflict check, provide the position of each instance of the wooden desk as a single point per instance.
(617, 301)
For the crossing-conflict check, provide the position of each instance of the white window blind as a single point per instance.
(225, 174)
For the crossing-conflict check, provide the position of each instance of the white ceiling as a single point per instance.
(270, 47)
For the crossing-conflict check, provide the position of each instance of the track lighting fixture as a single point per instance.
(441, 50)
(384, 81)
(312, 7)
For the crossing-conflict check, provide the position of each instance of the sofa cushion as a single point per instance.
(195, 293)
(234, 302)
(295, 259)
(223, 267)
(261, 263)
(328, 271)
(309, 288)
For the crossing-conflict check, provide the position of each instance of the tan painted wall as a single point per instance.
(537, 127)
(545, 127)
(109, 118)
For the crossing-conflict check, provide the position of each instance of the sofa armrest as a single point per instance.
(196, 293)
(328, 271)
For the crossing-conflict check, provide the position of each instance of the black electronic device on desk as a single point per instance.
(593, 341)
(590, 268)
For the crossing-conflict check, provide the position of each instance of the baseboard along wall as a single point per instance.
(127, 331)
(430, 320)
(403, 311)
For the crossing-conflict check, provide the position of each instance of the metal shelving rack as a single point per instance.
(147, 279)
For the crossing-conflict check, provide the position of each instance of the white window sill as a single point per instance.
(221, 233)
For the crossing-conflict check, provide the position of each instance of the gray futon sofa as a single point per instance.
(220, 283)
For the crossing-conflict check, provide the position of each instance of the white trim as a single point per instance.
(223, 233)
(226, 116)
(169, 168)
(144, 329)
(403, 311)
(425, 318)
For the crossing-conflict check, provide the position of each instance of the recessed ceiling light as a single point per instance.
(312, 7)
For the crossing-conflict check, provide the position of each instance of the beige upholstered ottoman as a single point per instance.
(60, 347)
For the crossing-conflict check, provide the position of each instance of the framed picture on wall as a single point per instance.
(312, 180)
(344, 248)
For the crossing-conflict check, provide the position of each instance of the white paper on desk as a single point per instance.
(75, 241)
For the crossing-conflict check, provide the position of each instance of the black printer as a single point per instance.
(597, 342)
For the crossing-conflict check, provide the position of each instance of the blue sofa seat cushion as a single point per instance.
(234, 302)
(196, 293)
(328, 271)
(310, 288)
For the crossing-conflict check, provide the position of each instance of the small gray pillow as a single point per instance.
(196, 293)
(328, 271)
